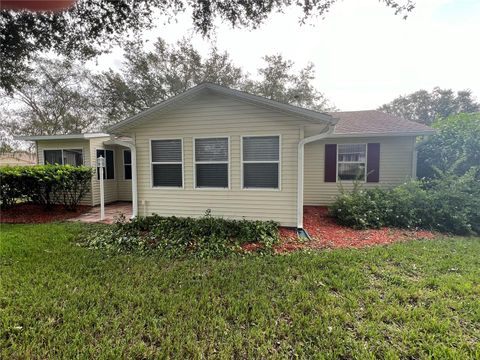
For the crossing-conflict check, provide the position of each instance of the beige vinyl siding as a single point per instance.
(67, 144)
(396, 155)
(124, 187)
(110, 186)
(211, 115)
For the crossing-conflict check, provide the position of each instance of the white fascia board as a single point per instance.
(60, 137)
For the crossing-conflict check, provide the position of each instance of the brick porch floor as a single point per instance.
(112, 211)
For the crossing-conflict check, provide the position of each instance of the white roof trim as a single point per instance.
(293, 110)
(61, 137)
(384, 134)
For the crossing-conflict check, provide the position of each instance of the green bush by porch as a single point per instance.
(45, 184)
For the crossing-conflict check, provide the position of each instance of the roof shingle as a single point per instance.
(375, 122)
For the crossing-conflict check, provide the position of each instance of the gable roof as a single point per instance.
(307, 114)
(375, 123)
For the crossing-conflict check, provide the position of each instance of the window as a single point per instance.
(167, 163)
(64, 157)
(109, 171)
(351, 161)
(211, 163)
(127, 164)
(261, 162)
(53, 157)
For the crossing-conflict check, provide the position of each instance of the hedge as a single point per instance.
(449, 204)
(45, 185)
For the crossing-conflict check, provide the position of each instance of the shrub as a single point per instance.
(449, 203)
(173, 237)
(72, 184)
(45, 184)
(10, 189)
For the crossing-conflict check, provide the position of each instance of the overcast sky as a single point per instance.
(364, 55)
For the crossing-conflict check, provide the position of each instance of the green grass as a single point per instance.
(412, 300)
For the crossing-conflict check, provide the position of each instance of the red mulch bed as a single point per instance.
(36, 214)
(325, 233)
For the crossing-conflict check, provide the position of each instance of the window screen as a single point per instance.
(73, 157)
(167, 163)
(261, 162)
(53, 157)
(109, 171)
(127, 164)
(211, 162)
(64, 157)
(351, 160)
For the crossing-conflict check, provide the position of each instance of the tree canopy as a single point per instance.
(91, 26)
(424, 107)
(149, 77)
(455, 147)
(60, 96)
(54, 98)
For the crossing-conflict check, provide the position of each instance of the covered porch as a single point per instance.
(120, 179)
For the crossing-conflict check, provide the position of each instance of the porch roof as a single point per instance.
(61, 136)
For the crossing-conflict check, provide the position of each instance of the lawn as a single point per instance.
(416, 299)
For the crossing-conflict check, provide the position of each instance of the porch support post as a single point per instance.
(300, 170)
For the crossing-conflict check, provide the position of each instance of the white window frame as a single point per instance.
(163, 163)
(353, 162)
(123, 161)
(63, 149)
(105, 170)
(195, 162)
(242, 162)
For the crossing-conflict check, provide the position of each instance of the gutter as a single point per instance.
(300, 163)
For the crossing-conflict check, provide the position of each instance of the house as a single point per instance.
(239, 155)
(16, 158)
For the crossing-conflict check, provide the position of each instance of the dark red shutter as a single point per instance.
(373, 162)
(330, 162)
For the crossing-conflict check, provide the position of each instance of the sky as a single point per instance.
(364, 55)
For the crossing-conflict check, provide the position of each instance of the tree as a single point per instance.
(278, 82)
(149, 77)
(91, 26)
(424, 107)
(53, 99)
(455, 147)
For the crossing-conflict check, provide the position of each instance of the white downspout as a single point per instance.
(301, 148)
